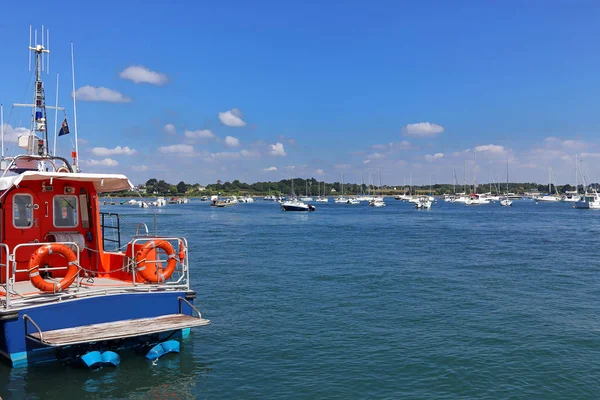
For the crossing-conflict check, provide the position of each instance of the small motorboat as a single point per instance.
(296, 205)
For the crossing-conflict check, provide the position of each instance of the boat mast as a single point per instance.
(76, 152)
(454, 183)
(55, 117)
(465, 177)
(38, 118)
(506, 175)
(475, 174)
(576, 180)
(292, 181)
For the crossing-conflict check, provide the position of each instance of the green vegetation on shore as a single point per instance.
(154, 187)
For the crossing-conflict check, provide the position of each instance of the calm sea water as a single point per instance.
(356, 302)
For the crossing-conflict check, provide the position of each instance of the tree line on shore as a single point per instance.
(315, 188)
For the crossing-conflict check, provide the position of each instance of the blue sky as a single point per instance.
(200, 91)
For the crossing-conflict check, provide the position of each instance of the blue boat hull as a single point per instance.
(19, 351)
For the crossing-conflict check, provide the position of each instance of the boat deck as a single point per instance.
(25, 289)
(116, 330)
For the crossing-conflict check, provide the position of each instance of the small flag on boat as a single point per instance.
(64, 129)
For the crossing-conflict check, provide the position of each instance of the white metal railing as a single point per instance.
(6, 253)
(184, 276)
(14, 299)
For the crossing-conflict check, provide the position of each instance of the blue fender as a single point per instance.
(93, 359)
(170, 346)
(111, 358)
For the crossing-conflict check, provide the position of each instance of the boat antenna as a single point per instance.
(76, 152)
(55, 117)
(29, 52)
(39, 103)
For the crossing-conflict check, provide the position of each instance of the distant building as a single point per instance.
(333, 190)
(201, 188)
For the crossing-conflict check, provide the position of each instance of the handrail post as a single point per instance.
(28, 318)
(181, 299)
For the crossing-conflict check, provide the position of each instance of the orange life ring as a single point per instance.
(38, 258)
(156, 275)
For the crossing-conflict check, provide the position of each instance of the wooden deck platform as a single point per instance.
(115, 330)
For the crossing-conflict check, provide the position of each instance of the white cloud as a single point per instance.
(434, 157)
(342, 166)
(422, 129)
(490, 148)
(170, 129)
(141, 74)
(277, 150)
(590, 155)
(199, 134)
(11, 134)
(117, 151)
(319, 172)
(232, 118)
(225, 155)
(403, 145)
(270, 169)
(382, 146)
(177, 148)
(376, 156)
(366, 161)
(140, 168)
(249, 153)
(231, 141)
(107, 162)
(568, 144)
(92, 93)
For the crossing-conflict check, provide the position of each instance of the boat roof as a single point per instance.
(103, 183)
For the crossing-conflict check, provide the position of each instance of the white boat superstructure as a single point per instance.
(547, 198)
(353, 200)
(295, 204)
(476, 200)
(159, 202)
(589, 201)
(423, 203)
(571, 197)
(377, 202)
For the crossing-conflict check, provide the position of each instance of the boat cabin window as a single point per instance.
(22, 211)
(65, 211)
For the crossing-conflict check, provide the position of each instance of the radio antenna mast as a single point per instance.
(76, 152)
(55, 117)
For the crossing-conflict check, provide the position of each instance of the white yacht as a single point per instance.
(353, 200)
(377, 202)
(296, 205)
(589, 201)
(547, 198)
(159, 202)
(571, 196)
(423, 203)
(476, 200)
(293, 204)
(506, 202)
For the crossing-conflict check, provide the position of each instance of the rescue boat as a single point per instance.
(68, 291)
